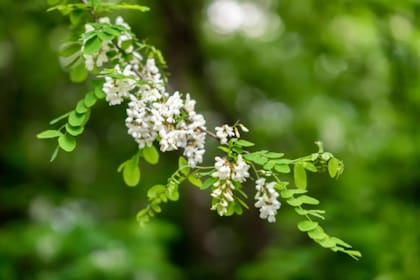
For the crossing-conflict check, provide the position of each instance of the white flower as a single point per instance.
(222, 193)
(222, 166)
(118, 89)
(224, 132)
(240, 170)
(266, 200)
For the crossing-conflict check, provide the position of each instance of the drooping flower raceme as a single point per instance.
(152, 114)
(266, 198)
(224, 132)
(117, 90)
(227, 174)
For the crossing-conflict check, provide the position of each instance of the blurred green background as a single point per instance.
(343, 72)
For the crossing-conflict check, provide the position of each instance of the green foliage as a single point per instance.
(151, 155)
(159, 194)
(131, 171)
(76, 121)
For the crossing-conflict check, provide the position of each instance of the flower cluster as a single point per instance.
(225, 132)
(152, 114)
(101, 57)
(227, 174)
(266, 198)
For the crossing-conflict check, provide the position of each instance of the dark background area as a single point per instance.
(343, 72)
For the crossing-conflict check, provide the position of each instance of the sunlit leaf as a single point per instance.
(156, 191)
(92, 45)
(151, 155)
(74, 130)
(78, 74)
(208, 183)
(307, 225)
(282, 168)
(90, 99)
(131, 171)
(76, 119)
(333, 167)
(299, 175)
(195, 180)
(183, 166)
(67, 142)
(49, 134)
(244, 143)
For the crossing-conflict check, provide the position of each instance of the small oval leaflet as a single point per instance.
(49, 134)
(299, 176)
(183, 166)
(151, 155)
(195, 180)
(74, 130)
(131, 171)
(79, 73)
(67, 142)
(92, 45)
(307, 225)
(333, 167)
(76, 119)
(90, 99)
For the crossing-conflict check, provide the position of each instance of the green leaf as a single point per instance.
(90, 99)
(237, 209)
(151, 155)
(274, 155)
(55, 153)
(208, 183)
(333, 167)
(294, 202)
(124, 6)
(327, 243)
(76, 119)
(92, 46)
(156, 191)
(310, 166)
(121, 166)
(340, 242)
(269, 165)
(195, 180)
(78, 74)
(156, 207)
(286, 194)
(173, 193)
(131, 171)
(183, 166)
(317, 234)
(256, 157)
(299, 176)
(99, 93)
(112, 30)
(49, 134)
(307, 225)
(313, 212)
(105, 36)
(282, 168)
(69, 49)
(245, 143)
(76, 17)
(305, 199)
(56, 120)
(353, 253)
(74, 130)
(67, 142)
(81, 107)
